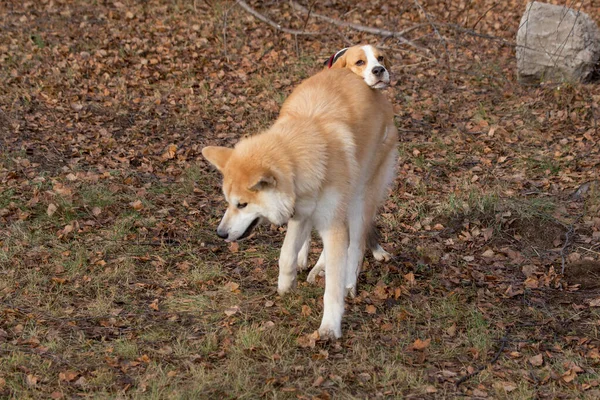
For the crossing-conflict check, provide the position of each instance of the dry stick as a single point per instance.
(420, 7)
(567, 244)
(503, 341)
(362, 28)
(274, 24)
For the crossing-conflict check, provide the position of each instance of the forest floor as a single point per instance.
(113, 283)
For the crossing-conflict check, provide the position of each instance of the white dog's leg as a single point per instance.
(288, 259)
(335, 243)
(318, 269)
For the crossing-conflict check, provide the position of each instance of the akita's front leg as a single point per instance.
(335, 243)
(297, 231)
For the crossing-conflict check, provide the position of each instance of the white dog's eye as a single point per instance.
(360, 62)
(242, 205)
(380, 58)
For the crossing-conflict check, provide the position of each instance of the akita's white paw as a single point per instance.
(330, 332)
(285, 284)
(318, 270)
(381, 255)
(303, 258)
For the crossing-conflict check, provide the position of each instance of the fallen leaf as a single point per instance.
(370, 309)
(537, 360)
(309, 340)
(489, 253)
(154, 305)
(232, 310)
(31, 380)
(306, 310)
(506, 386)
(569, 376)
(410, 279)
(595, 302)
(67, 376)
(421, 344)
(137, 205)
(234, 247)
(51, 209)
(231, 286)
(451, 331)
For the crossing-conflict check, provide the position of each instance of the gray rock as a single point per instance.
(556, 43)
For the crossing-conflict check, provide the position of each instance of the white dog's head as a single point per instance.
(253, 191)
(364, 60)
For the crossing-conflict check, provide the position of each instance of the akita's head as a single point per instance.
(253, 189)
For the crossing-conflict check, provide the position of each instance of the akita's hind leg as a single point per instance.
(357, 239)
(373, 244)
(303, 254)
(318, 269)
(297, 232)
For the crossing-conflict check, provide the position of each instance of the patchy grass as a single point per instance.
(113, 283)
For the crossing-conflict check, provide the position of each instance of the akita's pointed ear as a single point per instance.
(217, 155)
(265, 181)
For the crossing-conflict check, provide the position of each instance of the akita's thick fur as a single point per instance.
(325, 163)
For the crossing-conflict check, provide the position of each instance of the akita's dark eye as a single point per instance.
(242, 205)
(360, 62)
(380, 58)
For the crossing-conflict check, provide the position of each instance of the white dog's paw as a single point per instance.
(381, 255)
(286, 284)
(327, 332)
(318, 270)
(351, 291)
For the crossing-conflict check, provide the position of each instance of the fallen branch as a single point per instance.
(503, 341)
(268, 21)
(568, 239)
(362, 28)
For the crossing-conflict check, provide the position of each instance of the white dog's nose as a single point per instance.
(378, 71)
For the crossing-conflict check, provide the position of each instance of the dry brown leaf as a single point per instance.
(410, 279)
(234, 247)
(537, 360)
(137, 205)
(51, 209)
(31, 380)
(170, 152)
(306, 310)
(232, 310)
(231, 286)
(370, 309)
(421, 344)
(154, 305)
(67, 376)
(595, 302)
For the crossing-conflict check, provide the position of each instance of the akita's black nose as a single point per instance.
(378, 71)
(222, 235)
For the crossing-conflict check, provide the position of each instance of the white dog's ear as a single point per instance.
(265, 181)
(340, 61)
(217, 155)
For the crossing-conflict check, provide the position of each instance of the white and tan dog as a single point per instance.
(325, 162)
(364, 60)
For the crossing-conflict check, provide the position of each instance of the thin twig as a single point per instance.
(567, 244)
(435, 29)
(362, 28)
(503, 342)
(268, 21)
